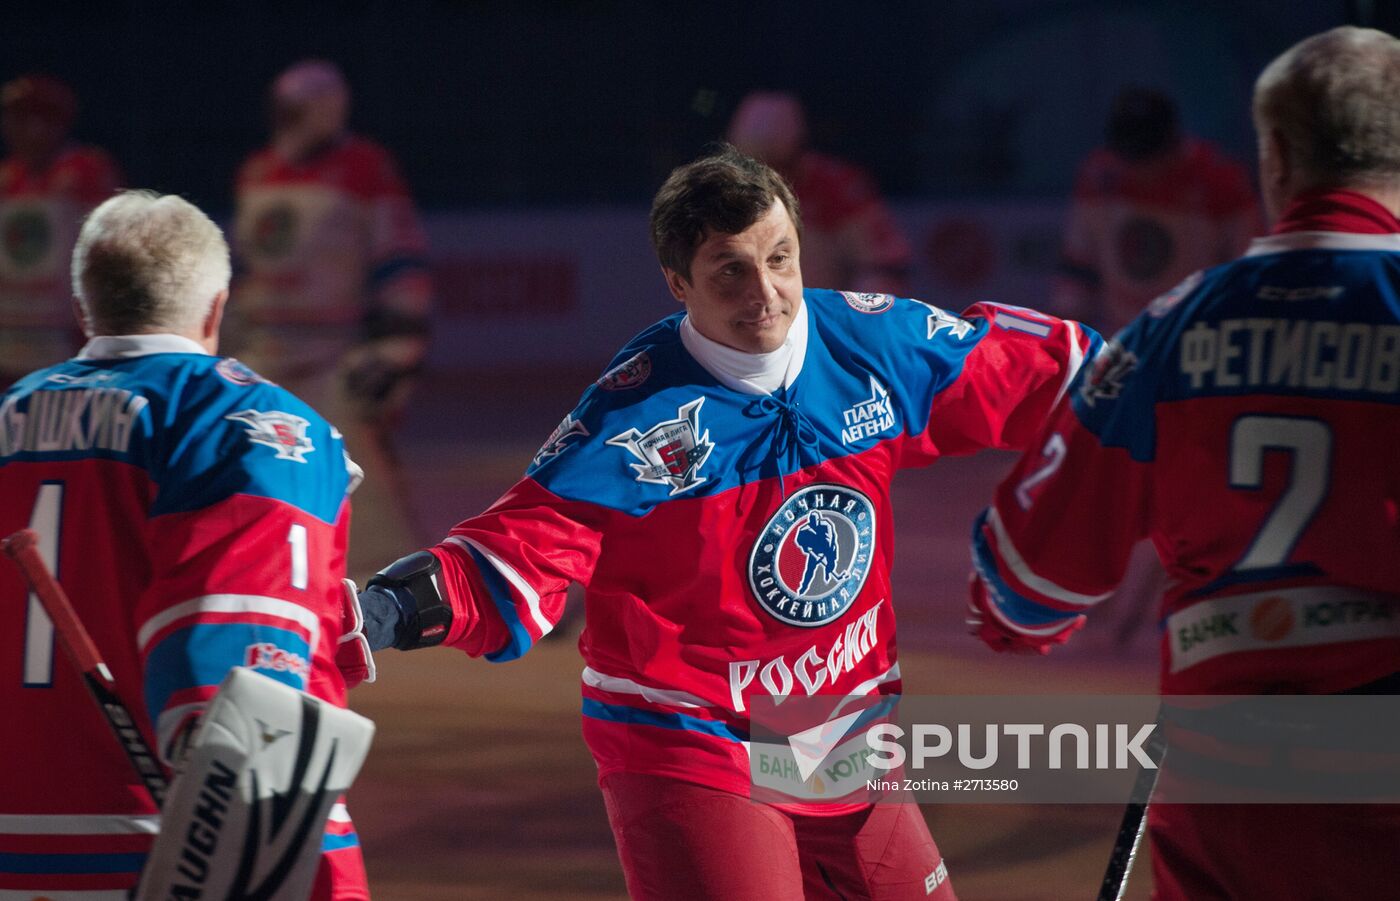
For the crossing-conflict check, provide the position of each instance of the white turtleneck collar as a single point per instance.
(116, 347)
(751, 373)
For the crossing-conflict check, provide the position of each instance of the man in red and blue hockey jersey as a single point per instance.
(1246, 424)
(196, 515)
(723, 493)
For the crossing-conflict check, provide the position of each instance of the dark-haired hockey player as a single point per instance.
(723, 493)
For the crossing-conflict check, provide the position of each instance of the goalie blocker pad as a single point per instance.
(245, 816)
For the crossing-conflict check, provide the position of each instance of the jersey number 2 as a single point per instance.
(1310, 442)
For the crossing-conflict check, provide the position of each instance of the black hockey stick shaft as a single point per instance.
(1125, 845)
(22, 547)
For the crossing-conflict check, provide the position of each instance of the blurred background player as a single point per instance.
(1247, 424)
(47, 186)
(333, 291)
(1150, 207)
(849, 238)
(196, 515)
(723, 493)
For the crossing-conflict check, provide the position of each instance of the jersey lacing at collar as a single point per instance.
(789, 432)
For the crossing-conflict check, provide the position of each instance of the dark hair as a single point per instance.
(723, 192)
(1144, 123)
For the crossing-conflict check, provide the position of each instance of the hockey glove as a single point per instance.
(352, 654)
(403, 607)
(985, 622)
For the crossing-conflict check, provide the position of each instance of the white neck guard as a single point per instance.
(751, 373)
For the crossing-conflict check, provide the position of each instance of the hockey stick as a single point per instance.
(1125, 845)
(22, 547)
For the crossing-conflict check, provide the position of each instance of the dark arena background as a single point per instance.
(532, 136)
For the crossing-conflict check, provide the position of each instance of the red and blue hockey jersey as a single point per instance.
(1246, 423)
(196, 515)
(735, 544)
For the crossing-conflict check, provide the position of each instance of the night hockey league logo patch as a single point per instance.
(868, 303)
(628, 374)
(559, 439)
(283, 432)
(812, 558)
(671, 452)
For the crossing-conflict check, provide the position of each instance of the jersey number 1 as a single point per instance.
(46, 519)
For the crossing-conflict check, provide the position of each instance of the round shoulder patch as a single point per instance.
(628, 374)
(812, 557)
(868, 303)
(239, 374)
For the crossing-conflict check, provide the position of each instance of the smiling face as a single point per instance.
(744, 290)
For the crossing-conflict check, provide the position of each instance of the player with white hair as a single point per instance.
(147, 263)
(197, 516)
(1246, 424)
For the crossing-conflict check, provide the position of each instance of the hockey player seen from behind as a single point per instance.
(196, 515)
(1246, 423)
(734, 536)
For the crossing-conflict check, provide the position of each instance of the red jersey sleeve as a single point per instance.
(1042, 550)
(507, 571)
(1020, 363)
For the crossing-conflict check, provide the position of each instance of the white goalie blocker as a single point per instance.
(245, 816)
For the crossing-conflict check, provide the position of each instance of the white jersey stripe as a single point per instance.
(619, 685)
(1017, 564)
(864, 689)
(874, 682)
(1076, 359)
(78, 824)
(231, 603)
(339, 813)
(1040, 631)
(532, 597)
(1321, 241)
